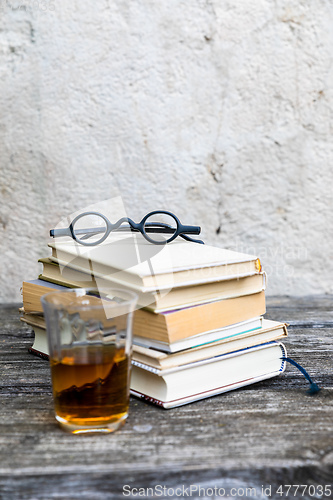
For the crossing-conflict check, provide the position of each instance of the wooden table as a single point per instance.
(260, 437)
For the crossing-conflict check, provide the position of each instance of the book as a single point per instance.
(246, 328)
(174, 325)
(180, 324)
(33, 290)
(32, 318)
(270, 330)
(40, 346)
(178, 385)
(202, 338)
(155, 357)
(181, 385)
(133, 261)
(176, 298)
(65, 276)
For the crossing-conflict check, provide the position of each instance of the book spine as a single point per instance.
(148, 399)
(38, 353)
(56, 282)
(284, 355)
(148, 368)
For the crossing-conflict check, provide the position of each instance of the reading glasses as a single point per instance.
(158, 227)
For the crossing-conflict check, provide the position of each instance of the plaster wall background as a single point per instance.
(220, 111)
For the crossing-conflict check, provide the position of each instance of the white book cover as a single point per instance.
(222, 357)
(131, 258)
(171, 388)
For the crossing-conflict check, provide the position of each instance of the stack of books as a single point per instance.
(200, 329)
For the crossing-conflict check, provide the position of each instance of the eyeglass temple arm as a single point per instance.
(191, 229)
(188, 238)
(63, 231)
(67, 231)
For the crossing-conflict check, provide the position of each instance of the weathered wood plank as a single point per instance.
(270, 433)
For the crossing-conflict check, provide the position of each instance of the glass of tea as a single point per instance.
(89, 335)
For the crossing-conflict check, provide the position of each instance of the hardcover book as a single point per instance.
(169, 381)
(178, 386)
(180, 324)
(133, 261)
(270, 330)
(157, 301)
(229, 331)
(170, 326)
(199, 349)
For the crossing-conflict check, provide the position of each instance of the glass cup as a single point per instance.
(89, 335)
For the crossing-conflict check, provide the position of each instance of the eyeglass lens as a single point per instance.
(89, 228)
(160, 227)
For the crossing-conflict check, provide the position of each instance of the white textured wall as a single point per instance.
(220, 110)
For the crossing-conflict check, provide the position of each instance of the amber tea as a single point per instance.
(91, 386)
(89, 334)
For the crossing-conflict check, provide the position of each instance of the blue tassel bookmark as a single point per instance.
(314, 388)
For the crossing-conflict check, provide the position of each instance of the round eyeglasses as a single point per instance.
(158, 227)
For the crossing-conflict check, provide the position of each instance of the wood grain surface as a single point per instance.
(268, 434)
